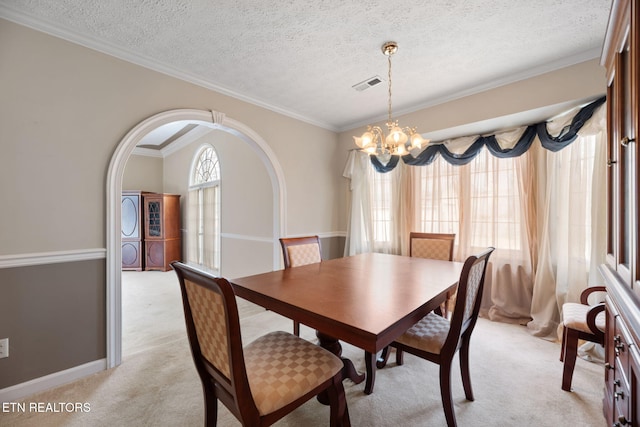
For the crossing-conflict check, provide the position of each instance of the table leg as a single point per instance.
(370, 361)
(348, 371)
(333, 345)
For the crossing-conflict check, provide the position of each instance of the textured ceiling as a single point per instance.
(302, 57)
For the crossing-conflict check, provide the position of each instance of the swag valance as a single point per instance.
(552, 143)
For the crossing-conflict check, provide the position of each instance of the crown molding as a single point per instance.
(134, 58)
(493, 84)
(111, 49)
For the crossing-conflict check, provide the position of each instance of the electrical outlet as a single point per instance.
(4, 348)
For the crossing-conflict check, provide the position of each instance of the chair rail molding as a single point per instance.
(213, 120)
(41, 258)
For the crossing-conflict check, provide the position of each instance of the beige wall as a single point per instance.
(63, 111)
(144, 173)
(246, 200)
(67, 121)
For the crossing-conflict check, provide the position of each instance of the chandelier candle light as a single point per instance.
(399, 140)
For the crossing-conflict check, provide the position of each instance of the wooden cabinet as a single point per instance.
(162, 240)
(132, 231)
(622, 269)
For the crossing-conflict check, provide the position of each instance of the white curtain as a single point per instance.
(382, 207)
(210, 225)
(484, 205)
(203, 227)
(359, 228)
(572, 231)
(192, 227)
(497, 217)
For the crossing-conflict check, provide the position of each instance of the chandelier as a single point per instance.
(398, 141)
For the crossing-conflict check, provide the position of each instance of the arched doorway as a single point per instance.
(211, 119)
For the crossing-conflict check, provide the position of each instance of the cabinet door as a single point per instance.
(627, 161)
(131, 255)
(154, 222)
(154, 254)
(131, 216)
(621, 62)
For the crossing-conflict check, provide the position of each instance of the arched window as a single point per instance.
(203, 213)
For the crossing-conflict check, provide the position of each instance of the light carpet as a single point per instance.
(516, 377)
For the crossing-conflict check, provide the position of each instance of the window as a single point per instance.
(203, 214)
(381, 209)
(439, 199)
(486, 190)
(495, 203)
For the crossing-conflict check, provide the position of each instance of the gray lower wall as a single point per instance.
(54, 316)
(332, 247)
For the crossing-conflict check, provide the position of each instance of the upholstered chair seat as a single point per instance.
(429, 334)
(580, 321)
(574, 316)
(277, 377)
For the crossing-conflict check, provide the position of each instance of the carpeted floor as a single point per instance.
(516, 377)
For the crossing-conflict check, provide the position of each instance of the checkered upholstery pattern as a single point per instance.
(281, 367)
(304, 254)
(431, 248)
(473, 284)
(574, 316)
(207, 309)
(429, 334)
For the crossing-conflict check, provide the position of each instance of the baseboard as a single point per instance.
(18, 391)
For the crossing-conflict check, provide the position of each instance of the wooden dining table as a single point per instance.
(366, 300)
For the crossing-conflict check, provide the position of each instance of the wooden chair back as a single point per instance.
(213, 329)
(468, 300)
(298, 251)
(431, 245)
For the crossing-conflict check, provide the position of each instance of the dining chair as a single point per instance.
(298, 251)
(263, 381)
(437, 339)
(431, 246)
(434, 246)
(581, 321)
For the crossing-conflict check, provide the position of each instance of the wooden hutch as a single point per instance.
(622, 268)
(150, 230)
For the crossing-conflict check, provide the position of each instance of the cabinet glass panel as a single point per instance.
(130, 217)
(155, 221)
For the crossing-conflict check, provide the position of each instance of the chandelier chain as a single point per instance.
(389, 77)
